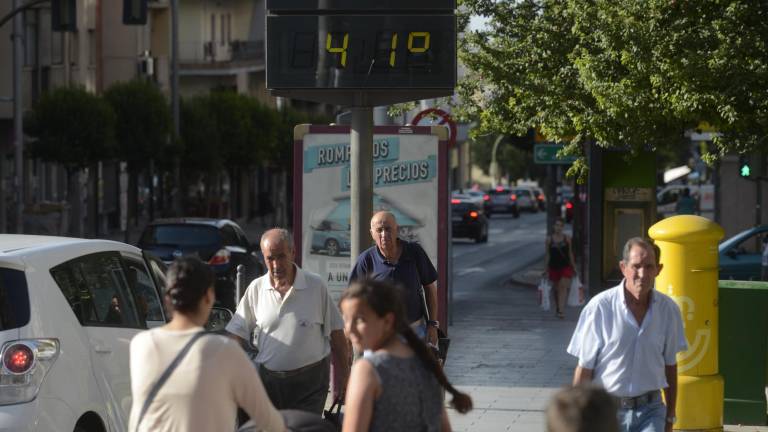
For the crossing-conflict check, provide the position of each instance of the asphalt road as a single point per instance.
(513, 244)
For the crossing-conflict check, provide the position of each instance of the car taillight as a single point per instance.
(473, 214)
(513, 197)
(455, 201)
(486, 197)
(499, 189)
(541, 197)
(569, 205)
(18, 358)
(25, 363)
(221, 257)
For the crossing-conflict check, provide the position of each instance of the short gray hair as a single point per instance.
(283, 236)
(643, 243)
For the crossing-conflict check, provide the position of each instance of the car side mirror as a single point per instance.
(218, 319)
(732, 253)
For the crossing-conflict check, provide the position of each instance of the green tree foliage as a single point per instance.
(200, 137)
(621, 73)
(143, 122)
(72, 127)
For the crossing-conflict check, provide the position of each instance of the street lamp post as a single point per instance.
(18, 125)
(494, 168)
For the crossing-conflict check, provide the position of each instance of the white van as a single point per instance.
(666, 199)
(68, 311)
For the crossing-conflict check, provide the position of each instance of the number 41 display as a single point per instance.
(386, 47)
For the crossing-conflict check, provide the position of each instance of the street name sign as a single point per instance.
(547, 154)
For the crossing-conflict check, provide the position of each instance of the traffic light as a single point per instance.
(745, 167)
(134, 12)
(64, 15)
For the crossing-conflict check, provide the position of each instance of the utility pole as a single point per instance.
(175, 103)
(18, 125)
(361, 179)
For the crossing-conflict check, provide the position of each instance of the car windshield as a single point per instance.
(181, 235)
(14, 299)
(523, 192)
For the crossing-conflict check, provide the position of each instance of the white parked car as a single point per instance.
(68, 310)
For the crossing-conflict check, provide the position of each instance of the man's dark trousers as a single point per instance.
(305, 389)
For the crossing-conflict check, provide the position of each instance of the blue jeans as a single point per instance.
(647, 418)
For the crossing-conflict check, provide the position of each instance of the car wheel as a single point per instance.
(488, 214)
(515, 213)
(332, 247)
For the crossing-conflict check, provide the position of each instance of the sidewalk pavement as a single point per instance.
(511, 358)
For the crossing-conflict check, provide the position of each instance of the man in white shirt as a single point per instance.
(295, 326)
(627, 339)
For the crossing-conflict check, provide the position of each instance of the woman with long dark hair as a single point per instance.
(398, 385)
(561, 266)
(209, 382)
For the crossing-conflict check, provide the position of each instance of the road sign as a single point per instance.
(547, 154)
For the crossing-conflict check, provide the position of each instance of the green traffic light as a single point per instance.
(745, 170)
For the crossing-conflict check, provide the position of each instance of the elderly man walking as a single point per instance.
(627, 339)
(405, 264)
(296, 325)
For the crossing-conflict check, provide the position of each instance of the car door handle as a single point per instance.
(104, 349)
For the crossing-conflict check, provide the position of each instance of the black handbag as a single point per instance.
(334, 415)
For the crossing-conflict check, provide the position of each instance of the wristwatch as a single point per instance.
(433, 323)
(671, 420)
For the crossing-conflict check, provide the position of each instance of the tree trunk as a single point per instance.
(245, 195)
(75, 200)
(133, 198)
(93, 200)
(151, 198)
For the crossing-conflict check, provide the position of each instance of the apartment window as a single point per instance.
(229, 28)
(74, 49)
(213, 29)
(57, 48)
(30, 37)
(44, 30)
(91, 48)
(223, 38)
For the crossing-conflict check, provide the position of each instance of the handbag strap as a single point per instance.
(164, 377)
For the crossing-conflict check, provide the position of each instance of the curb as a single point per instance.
(530, 275)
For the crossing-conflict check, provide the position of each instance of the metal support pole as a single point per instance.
(175, 102)
(18, 125)
(494, 168)
(361, 179)
(239, 284)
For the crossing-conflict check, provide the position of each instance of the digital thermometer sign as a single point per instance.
(361, 52)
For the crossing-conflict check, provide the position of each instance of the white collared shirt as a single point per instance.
(628, 359)
(290, 332)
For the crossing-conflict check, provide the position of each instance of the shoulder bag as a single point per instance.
(164, 377)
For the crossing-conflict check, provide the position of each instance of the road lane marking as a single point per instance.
(470, 270)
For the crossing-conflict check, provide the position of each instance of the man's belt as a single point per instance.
(638, 401)
(294, 372)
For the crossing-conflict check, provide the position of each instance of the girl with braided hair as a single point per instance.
(398, 384)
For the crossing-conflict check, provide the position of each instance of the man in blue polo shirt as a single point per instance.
(627, 339)
(405, 264)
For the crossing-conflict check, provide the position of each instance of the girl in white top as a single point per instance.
(210, 382)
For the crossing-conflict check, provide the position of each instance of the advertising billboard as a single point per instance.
(410, 170)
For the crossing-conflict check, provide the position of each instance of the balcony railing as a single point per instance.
(247, 50)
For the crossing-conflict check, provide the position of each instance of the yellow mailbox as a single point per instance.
(689, 254)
